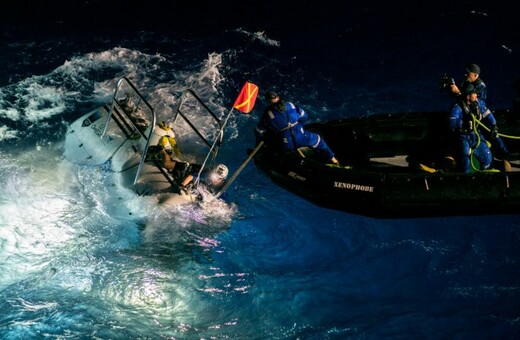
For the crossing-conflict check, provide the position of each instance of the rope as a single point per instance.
(499, 134)
(475, 122)
(475, 130)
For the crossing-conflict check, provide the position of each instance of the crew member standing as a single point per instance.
(473, 78)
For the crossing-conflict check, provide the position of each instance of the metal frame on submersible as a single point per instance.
(147, 138)
(124, 80)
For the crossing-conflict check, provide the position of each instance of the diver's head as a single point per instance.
(271, 97)
(218, 175)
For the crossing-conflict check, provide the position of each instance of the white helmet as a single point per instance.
(221, 171)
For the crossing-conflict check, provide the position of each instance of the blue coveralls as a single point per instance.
(480, 86)
(288, 125)
(461, 124)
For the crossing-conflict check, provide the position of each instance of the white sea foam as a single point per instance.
(7, 133)
(172, 223)
(259, 36)
(91, 78)
(41, 97)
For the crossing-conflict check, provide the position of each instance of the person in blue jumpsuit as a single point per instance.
(282, 125)
(468, 134)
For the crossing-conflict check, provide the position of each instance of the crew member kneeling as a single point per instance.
(465, 118)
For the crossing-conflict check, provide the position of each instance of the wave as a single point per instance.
(6, 133)
(259, 36)
(89, 80)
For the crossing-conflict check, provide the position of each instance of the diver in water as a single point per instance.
(186, 174)
(165, 154)
(213, 179)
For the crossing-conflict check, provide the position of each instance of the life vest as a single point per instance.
(469, 113)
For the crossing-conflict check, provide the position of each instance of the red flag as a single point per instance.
(246, 98)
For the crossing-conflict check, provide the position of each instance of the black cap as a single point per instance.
(469, 89)
(270, 95)
(474, 68)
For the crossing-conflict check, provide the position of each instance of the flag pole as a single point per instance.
(244, 103)
(219, 136)
(239, 170)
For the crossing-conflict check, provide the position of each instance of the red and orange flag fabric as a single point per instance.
(246, 98)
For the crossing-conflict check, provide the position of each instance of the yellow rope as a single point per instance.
(475, 122)
(499, 134)
(509, 136)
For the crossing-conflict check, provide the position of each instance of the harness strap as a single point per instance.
(290, 125)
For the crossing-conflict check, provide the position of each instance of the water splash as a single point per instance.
(172, 224)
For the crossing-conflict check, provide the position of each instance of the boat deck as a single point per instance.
(401, 163)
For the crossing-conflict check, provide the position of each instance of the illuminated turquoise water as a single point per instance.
(82, 258)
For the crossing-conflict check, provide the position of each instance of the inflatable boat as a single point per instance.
(124, 137)
(397, 165)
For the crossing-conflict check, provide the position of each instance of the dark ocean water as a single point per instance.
(82, 258)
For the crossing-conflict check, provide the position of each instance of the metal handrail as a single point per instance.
(148, 137)
(154, 119)
(213, 147)
(197, 98)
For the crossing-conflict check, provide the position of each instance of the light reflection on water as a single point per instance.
(69, 235)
